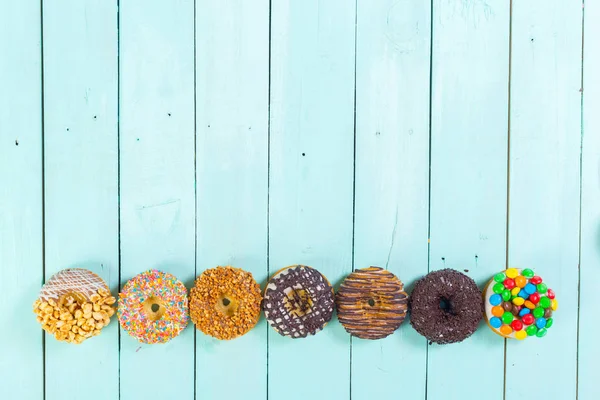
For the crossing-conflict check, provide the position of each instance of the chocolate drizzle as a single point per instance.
(371, 303)
(463, 309)
(298, 301)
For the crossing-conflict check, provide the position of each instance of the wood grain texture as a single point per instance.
(311, 179)
(80, 174)
(589, 351)
(157, 177)
(392, 163)
(545, 131)
(21, 269)
(469, 136)
(232, 76)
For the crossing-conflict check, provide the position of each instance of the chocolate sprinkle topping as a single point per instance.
(446, 306)
(298, 301)
(371, 303)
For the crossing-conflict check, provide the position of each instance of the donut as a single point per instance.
(74, 305)
(445, 306)
(153, 307)
(371, 303)
(298, 301)
(519, 304)
(225, 302)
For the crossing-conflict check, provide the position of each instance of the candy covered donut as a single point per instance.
(298, 301)
(371, 303)
(74, 305)
(445, 306)
(153, 307)
(225, 302)
(518, 304)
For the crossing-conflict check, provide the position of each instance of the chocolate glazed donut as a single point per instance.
(371, 303)
(446, 306)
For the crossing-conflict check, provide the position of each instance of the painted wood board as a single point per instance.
(545, 138)
(392, 188)
(589, 273)
(157, 177)
(232, 100)
(21, 236)
(469, 137)
(311, 178)
(81, 199)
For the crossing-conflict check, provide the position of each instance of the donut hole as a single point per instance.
(154, 308)
(371, 302)
(227, 304)
(446, 305)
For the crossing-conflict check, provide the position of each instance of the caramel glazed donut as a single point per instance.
(371, 303)
(298, 301)
(225, 302)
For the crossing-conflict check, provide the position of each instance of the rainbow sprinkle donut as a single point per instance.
(153, 307)
(519, 304)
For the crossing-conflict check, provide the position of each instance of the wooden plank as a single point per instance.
(468, 175)
(545, 136)
(80, 174)
(589, 351)
(21, 270)
(311, 178)
(232, 100)
(157, 177)
(392, 189)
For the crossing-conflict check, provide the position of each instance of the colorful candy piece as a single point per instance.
(520, 335)
(524, 311)
(498, 288)
(545, 302)
(529, 288)
(518, 301)
(542, 288)
(554, 304)
(506, 295)
(529, 304)
(516, 325)
(515, 291)
(499, 277)
(507, 317)
(542, 332)
(497, 311)
(547, 313)
(505, 330)
(550, 294)
(540, 322)
(520, 281)
(536, 280)
(495, 299)
(528, 273)
(538, 312)
(524, 294)
(549, 322)
(495, 322)
(528, 319)
(531, 330)
(534, 298)
(512, 273)
(509, 283)
(507, 306)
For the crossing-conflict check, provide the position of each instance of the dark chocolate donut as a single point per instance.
(446, 306)
(298, 301)
(371, 303)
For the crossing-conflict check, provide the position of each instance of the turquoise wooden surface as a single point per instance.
(406, 134)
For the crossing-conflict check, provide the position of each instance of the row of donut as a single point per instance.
(446, 306)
